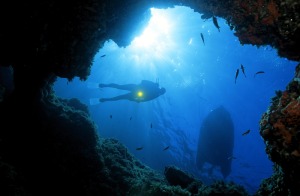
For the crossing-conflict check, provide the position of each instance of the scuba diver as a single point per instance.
(145, 91)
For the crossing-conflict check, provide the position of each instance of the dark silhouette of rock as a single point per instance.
(216, 141)
(176, 177)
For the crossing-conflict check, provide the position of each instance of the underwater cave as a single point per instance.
(65, 128)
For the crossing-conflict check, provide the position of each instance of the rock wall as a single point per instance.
(280, 129)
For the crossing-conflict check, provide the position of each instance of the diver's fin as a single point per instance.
(93, 85)
(94, 101)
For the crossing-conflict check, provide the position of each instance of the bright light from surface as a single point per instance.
(158, 30)
(155, 40)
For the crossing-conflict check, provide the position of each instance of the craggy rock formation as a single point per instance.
(49, 143)
(275, 185)
(49, 146)
(259, 22)
(53, 149)
(216, 140)
(177, 177)
(280, 128)
(222, 188)
(51, 37)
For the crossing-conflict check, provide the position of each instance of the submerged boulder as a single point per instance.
(216, 139)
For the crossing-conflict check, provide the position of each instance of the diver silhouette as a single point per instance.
(145, 91)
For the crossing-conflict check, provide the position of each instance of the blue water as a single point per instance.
(198, 79)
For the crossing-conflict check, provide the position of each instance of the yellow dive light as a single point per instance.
(140, 94)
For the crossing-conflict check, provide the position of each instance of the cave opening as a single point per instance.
(199, 75)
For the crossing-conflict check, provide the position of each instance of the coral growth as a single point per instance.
(222, 188)
(274, 23)
(280, 128)
(179, 178)
(275, 185)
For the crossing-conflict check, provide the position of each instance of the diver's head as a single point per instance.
(162, 91)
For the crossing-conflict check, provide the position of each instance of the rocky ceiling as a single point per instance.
(62, 38)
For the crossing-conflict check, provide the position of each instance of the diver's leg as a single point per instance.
(128, 96)
(128, 87)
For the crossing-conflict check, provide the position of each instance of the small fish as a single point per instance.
(103, 55)
(151, 125)
(243, 70)
(231, 157)
(216, 23)
(236, 75)
(140, 148)
(166, 148)
(202, 37)
(246, 132)
(259, 72)
(110, 116)
(206, 16)
(130, 118)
